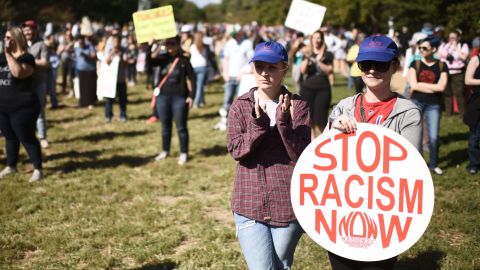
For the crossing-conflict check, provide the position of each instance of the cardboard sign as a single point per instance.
(305, 17)
(107, 78)
(157, 23)
(366, 196)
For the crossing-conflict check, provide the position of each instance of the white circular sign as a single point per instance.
(365, 196)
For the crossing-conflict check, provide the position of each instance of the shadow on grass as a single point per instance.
(455, 157)
(73, 153)
(69, 119)
(204, 115)
(454, 137)
(105, 136)
(216, 150)
(429, 260)
(163, 265)
(113, 162)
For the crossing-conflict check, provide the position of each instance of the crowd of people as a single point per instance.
(267, 124)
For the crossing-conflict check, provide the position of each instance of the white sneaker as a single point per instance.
(223, 112)
(44, 143)
(7, 170)
(163, 155)
(437, 170)
(36, 176)
(182, 159)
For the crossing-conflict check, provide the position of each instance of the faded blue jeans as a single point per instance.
(169, 109)
(201, 79)
(41, 92)
(432, 114)
(265, 246)
(231, 90)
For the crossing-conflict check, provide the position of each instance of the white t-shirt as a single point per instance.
(271, 107)
(238, 56)
(196, 58)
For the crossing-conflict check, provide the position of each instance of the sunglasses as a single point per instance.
(375, 65)
(425, 49)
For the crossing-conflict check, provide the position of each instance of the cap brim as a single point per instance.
(375, 56)
(266, 58)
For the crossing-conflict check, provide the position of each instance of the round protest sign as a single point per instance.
(366, 196)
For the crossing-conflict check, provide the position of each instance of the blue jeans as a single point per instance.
(474, 148)
(169, 109)
(201, 77)
(41, 92)
(265, 246)
(122, 101)
(231, 90)
(432, 114)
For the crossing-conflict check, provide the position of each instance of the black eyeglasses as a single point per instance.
(425, 49)
(375, 65)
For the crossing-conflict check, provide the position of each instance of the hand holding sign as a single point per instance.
(365, 196)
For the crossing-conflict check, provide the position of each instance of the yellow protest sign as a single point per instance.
(157, 23)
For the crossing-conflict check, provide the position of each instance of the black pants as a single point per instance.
(318, 101)
(341, 263)
(19, 126)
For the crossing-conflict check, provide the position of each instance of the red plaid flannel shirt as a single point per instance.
(266, 158)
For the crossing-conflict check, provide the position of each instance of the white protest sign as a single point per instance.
(305, 17)
(365, 196)
(107, 78)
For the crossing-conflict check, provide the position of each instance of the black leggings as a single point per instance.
(318, 101)
(341, 263)
(19, 126)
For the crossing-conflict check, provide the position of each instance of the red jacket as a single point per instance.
(266, 158)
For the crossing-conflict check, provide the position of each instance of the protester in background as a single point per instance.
(355, 72)
(378, 61)
(53, 63)
(268, 128)
(472, 114)
(86, 66)
(316, 90)
(173, 96)
(201, 58)
(66, 52)
(121, 88)
(296, 57)
(236, 55)
(186, 39)
(19, 107)
(455, 54)
(428, 78)
(37, 48)
(132, 54)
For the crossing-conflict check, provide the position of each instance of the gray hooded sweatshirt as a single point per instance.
(405, 118)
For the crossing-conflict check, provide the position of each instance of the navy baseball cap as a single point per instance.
(377, 48)
(270, 52)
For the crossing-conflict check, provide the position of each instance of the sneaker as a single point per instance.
(437, 171)
(163, 155)
(8, 170)
(123, 119)
(44, 143)
(152, 120)
(108, 120)
(36, 176)
(223, 112)
(182, 159)
(472, 171)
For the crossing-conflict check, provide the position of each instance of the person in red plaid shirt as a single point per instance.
(268, 128)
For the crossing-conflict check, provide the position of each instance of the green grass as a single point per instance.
(105, 204)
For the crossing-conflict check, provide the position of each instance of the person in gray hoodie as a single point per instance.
(377, 60)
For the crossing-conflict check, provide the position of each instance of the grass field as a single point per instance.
(105, 204)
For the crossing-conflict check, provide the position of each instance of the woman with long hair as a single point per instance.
(317, 65)
(19, 107)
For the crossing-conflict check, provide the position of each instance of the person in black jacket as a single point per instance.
(174, 95)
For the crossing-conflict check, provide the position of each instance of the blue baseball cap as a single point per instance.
(270, 52)
(377, 48)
